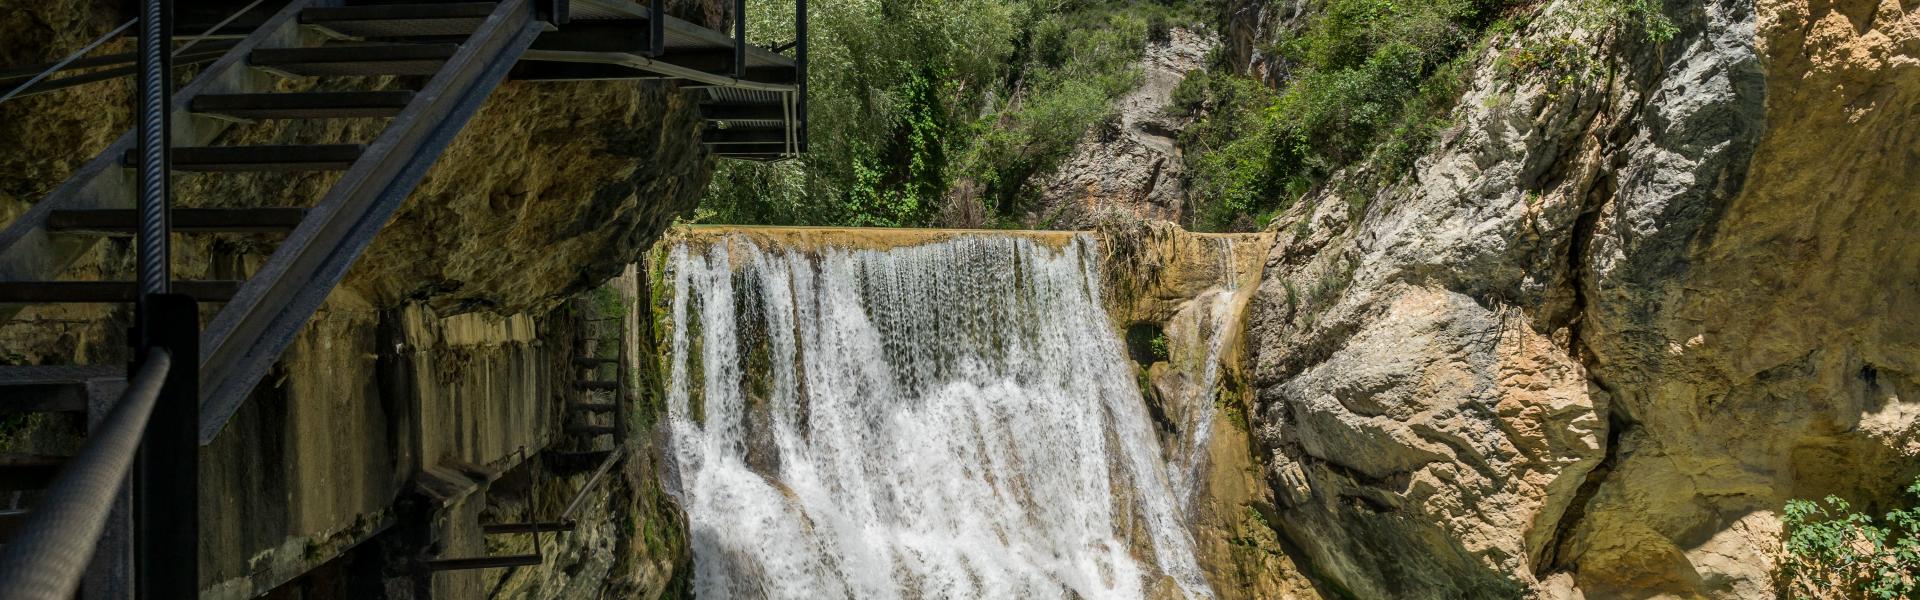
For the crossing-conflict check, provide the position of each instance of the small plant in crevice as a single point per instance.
(1834, 552)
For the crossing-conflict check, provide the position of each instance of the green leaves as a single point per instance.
(909, 96)
(1372, 78)
(1832, 552)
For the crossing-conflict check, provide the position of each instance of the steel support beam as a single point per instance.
(656, 27)
(743, 112)
(760, 148)
(741, 135)
(739, 39)
(800, 67)
(519, 528)
(483, 562)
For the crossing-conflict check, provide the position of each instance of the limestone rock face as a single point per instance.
(1192, 290)
(1129, 167)
(1601, 334)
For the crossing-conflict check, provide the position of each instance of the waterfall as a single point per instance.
(1202, 355)
(949, 420)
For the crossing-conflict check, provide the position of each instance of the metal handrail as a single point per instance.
(70, 58)
(592, 482)
(52, 549)
(27, 88)
(216, 27)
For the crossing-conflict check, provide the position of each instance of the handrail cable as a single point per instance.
(61, 65)
(70, 58)
(46, 560)
(216, 27)
(591, 482)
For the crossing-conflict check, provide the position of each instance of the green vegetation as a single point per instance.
(607, 302)
(1833, 552)
(913, 100)
(1372, 79)
(1158, 346)
(948, 110)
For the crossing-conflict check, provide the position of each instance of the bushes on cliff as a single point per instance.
(909, 97)
(1371, 78)
(1831, 551)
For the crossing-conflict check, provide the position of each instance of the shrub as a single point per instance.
(1833, 552)
(1371, 77)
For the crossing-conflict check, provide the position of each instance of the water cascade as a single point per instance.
(1212, 319)
(949, 420)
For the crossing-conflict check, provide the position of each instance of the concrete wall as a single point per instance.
(314, 462)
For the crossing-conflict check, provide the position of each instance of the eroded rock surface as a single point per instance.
(1130, 166)
(1604, 331)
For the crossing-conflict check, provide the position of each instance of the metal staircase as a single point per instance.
(598, 409)
(753, 100)
(261, 314)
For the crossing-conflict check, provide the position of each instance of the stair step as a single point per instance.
(592, 407)
(185, 220)
(483, 562)
(304, 157)
(49, 292)
(368, 59)
(305, 105)
(400, 20)
(590, 429)
(743, 112)
(744, 135)
(21, 472)
(596, 385)
(10, 522)
(53, 388)
(513, 528)
(588, 362)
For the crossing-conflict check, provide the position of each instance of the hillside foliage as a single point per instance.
(909, 97)
(927, 109)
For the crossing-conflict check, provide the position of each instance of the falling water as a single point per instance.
(1203, 355)
(951, 420)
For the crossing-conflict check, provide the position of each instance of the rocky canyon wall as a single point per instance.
(1597, 338)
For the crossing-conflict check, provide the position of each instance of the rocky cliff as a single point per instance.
(1130, 166)
(1600, 334)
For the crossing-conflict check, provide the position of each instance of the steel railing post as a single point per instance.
(155, 86)
(656, 28)
(739, 39)
(800, 65)
(166, 476)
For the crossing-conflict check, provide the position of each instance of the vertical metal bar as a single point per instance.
(165, 514)
(739, 39)
(800, 64)
(155, 86)
(166, 506)
(621, 396)
(657, 27)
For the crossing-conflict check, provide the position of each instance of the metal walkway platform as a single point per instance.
(753, 98)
